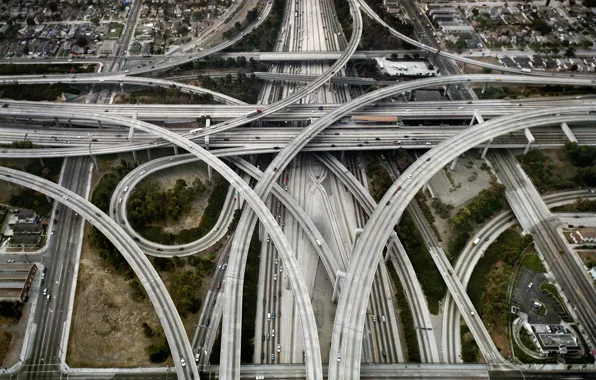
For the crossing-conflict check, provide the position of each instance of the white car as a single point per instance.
(278, 347)
(64, 197)
(182, 362)
(338, 357)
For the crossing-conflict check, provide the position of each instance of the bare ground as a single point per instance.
(470, 69)
(106, 329)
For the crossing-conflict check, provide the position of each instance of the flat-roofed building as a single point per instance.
(15, 281)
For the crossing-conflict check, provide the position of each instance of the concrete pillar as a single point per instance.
(261, 232)
(149, 154)
(453, 164)
(41, 161)
(477, 117)
(339, 279)
(134, 155)
(342, 156)
(121, 87)
(50, 200)
(70, 123)
(524, 88)
(210, 173)
(95, 162)
(530, 138)
(486, 149)
(15, 119)
(568, 132)
(99, 124)
(464, 70)
(483, 88)
(57, 122)
(131, 133)
(175, 150)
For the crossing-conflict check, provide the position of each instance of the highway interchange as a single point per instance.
(357, 267)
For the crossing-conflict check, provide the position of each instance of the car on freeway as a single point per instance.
(338, 357)
(182, 362)
(278, 347)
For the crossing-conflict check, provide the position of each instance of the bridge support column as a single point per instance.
(261, 232)
(131, 131)
(209, 170)
(41, 161)
(149, 154)
(95, 162)
(342, 156)
(339, 280)
(477, 118)
(99, 124)
(530, 138)
(70, 123)
(134, 155)
(50, 200)
(57, 122)
(568, 132)
(453, 164)
(175, 150)
(464, 70)
(486, 149)
(15, 119)
(483, 88)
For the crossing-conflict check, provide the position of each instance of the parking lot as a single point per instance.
(524, 294)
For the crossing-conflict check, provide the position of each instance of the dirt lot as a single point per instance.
(588, 257)
(470, 69)
(107, 324)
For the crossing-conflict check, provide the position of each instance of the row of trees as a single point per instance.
(149, 203)
(584, 158)
(12, 69)
(226, 63)
(171, 95)
(262, 38)
(243, 87)
(35, 92)
(484, 205)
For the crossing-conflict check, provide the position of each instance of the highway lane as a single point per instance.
(45, 350)
(158, 294)
(417, 302)
(120, 197)
(292, 269)
(470, 256)
(337, 135)
(230, 353)
(357, 286)
(536, 218)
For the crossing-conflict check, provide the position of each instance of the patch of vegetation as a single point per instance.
(532, 262)
(407, 320)
(225, 63)
(35, 92)
(482, 207)
(15, 69)
(249, 300)
(149, 203)
(161, 95)
(370, 32)
(580, 205)
(159, 351)
(50, 169)
(10, 309)
(429, 276)
(242, 87)
(491, 277)
(583, 157)
(469, 347)
(32, 200)
(26, 144)
(544, 173)
(107, 184)
(491, 92)
(526, 339)
(379, 178)
(208, 220)
(442, 209)
(422, 203)
(264, 37)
